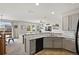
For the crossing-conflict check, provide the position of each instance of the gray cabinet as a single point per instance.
(72, 21)
(69, 44)
(32, 46)
(65, 23)
(57, 42)
(69, 22)
(53, 42)
(47, 42)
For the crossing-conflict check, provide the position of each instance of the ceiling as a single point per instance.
(29, 11)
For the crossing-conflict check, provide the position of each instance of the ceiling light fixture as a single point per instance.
(52, 12)
(37, 4)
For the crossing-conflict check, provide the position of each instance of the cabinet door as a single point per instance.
(69, 22)
(69, 44)
(48, 43)
(58, 43)
(32, 46)
(72, 22)
(65, 23)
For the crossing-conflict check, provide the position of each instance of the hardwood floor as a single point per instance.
(15, 48)
(55, 52)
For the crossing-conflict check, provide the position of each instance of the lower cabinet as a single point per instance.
(32, 46)
(38, 44)
(53, 42)
(58, 42)
(69, 44)
(48, 42)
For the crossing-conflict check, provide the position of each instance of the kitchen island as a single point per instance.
(35, 42)
(31, 40)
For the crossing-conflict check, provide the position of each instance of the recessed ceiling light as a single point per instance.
(52, 12)
(37, 4)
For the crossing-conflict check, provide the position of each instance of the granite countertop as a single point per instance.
(65, 34)
(69, 34)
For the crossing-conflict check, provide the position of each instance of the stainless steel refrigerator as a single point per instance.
(77, 38)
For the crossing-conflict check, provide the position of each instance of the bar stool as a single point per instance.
(10, 38)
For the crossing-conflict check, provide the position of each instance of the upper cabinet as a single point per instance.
(65, 23)
(69, 22)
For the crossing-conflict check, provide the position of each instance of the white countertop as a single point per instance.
(55, 33)
(40, 35)
(69, 34)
